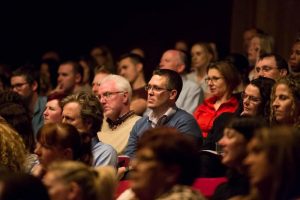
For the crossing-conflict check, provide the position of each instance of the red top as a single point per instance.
(205, 113)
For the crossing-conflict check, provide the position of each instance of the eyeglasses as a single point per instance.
(17, 86)
(107, 95)
(214, 79)
(250, 98)
(155, 88)
(264, 69)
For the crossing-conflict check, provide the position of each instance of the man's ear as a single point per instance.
(139, 67)
(78, 78)
(180, 68)
(283, 72)
(74, 190)
(126, 98)
(173, 94)
(34, 86)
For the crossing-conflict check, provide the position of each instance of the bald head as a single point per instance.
(173, 60)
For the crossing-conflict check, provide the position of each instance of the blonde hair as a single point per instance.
(95, 183)
(12, 148)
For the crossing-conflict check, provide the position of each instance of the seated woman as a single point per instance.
(273, 163)
(285, 101)
(53, 109)
(77, 181)
(255, 102)
(59, 142)
(233, 143)
(222, 78)
(164, 167)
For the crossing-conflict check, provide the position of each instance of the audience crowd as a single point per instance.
(75, 129)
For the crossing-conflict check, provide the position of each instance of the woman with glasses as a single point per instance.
(285, 101)
(255, 103)
(222, 78)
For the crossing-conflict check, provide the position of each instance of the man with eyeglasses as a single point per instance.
(163, 91)
(24, 82)
(272, 66)
(191, 94)
(114, 94)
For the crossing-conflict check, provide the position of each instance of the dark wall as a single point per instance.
(72, 29)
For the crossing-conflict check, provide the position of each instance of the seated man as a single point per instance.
(191, 94)
(272, 66)
(114, 94)
(24, 81)
(131, 67)
(163, 91)
(84, 112)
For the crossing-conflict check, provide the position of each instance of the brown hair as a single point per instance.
(228, 71)
(170, 148)
(64, 136)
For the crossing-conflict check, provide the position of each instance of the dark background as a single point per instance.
(73, 28)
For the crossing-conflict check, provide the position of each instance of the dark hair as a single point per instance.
(172, 148)
(246, 125)
(77, 68)
(281, 145)
(28, 71)
(18, 117)
(134, 58)
(241, 63)
(264, 86)
(173, 78)
(64, 136)
(280, 61)
(22, 186)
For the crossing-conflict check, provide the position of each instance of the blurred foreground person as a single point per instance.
(76, 181)
(273, 164)
(164, 167)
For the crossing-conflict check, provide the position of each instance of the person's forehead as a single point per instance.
(72, 108)
(268, 61)
(158, 79)
(67, 68)
(20, 78)
(108, 85)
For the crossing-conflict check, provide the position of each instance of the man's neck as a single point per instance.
(139, 82)
(158, 112)
(124, 111)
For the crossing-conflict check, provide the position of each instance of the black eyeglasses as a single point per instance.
(155, 88)
(18, 85)
(250, 98)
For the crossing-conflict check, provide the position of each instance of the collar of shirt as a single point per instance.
(154, 120)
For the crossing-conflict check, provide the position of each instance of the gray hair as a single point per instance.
(122, 84)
